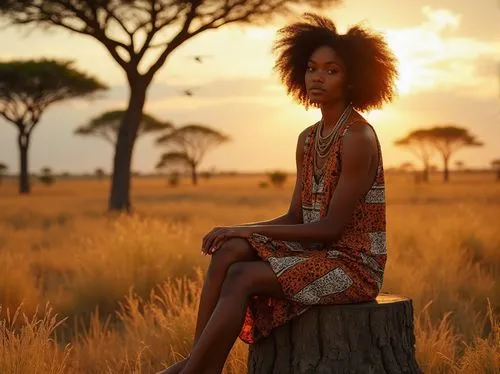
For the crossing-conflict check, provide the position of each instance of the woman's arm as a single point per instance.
(292, 217)
(357, 157)
(359, 147)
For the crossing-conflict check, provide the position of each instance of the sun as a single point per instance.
(412, 73)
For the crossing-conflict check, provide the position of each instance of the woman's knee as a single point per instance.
(238, 280)
(231, 251)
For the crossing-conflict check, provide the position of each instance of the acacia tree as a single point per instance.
(3, 169)
(495, 165)
(460, 165)
(418, 142)
(188, 145)
(28, 88)
(128, 29)
(106, 126)
(448, 140)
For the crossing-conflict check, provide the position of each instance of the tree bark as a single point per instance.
(375, 337)
(119, 198)
(23, 141)
(194, 175)
(425, 174)
(446, 170)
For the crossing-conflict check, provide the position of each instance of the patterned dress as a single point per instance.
(348, 270)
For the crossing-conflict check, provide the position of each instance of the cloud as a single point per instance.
(433, 55)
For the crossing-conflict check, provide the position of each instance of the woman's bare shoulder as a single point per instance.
(307, 131)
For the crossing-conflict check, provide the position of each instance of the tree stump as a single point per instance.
(367, 338)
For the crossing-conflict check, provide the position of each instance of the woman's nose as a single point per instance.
(318, 77)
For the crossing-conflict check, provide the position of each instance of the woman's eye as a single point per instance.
(332, 71)
(310, 69)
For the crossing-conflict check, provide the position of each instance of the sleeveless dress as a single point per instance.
(349, 270)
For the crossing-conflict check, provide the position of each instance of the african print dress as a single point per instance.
(349, 270)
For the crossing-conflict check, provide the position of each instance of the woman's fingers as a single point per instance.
(208, 242)
(217, 243)
(207, 239)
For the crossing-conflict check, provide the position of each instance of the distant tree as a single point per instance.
(65, 175)
(406, 166)
(100, 173)
(46, 176)
(28, 88)
(460, 165)
(448, 140)
(418, 142)
(188, 145)
(107, 125)
(128, 29)
(3, 169)
(277, 178)
(495, 164)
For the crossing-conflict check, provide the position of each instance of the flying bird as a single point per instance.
(199, 58)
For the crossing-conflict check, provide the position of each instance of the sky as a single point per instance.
(449, 62)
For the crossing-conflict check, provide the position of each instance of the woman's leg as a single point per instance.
(232, 251)
(243, 280)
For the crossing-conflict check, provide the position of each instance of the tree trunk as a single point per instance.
(446, 169)
(374, 337)
(23, 141)
(425, 174)
(119, 199)
(194, 175)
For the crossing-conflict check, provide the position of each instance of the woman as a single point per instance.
(330, 247)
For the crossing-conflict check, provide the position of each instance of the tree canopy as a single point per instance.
(107, 125)
(448, 139)
(29, 87)
(418, 142)
(130, 28)
(188, 145)
(445, 140)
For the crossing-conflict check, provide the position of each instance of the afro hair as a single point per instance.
(370, 64)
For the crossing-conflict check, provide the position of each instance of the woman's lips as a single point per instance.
(316, 90)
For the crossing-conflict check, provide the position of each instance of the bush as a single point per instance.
(277, 178)
(46, 177)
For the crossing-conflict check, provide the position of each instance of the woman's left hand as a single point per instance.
(214, 239)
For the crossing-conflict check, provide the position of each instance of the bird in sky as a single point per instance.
(199, 58)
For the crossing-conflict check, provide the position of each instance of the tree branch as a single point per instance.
(176, 41)
(9, 118)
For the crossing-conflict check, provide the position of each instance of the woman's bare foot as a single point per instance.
(175, 368)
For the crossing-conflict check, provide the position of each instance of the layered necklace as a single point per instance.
(322, 144)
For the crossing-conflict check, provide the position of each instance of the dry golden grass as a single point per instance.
(82, 291)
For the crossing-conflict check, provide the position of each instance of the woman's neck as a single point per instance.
(331, 114)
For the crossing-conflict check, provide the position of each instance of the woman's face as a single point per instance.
(325, 77)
